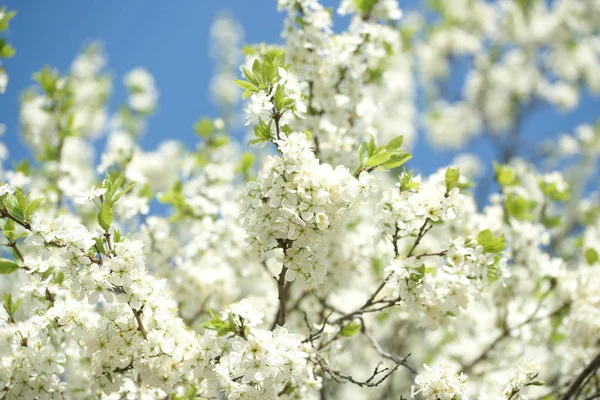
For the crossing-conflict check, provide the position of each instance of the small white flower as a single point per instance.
(89, 194)
(7, 188)
(322, 221)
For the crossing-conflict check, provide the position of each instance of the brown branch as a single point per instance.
(12, 244)
(5, 214)
(422, 232)
(138, 318)
(385, 354)
(366, 308)
(371, 381)
(395, 238)
(591, 368)
(506, 332)
(439, 253)
(283, 290)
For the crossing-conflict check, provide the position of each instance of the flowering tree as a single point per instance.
(314, 264)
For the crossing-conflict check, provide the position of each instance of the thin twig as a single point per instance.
(589, 369)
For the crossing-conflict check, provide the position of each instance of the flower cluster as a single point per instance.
(438, 382)
(407, 208)
(437, 290)
(348, 75)
(252, 363)
(296, 203)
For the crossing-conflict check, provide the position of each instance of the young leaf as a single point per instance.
(351, 329)
(505, 175)
(363, 153)
(378, 159)
(397, 159)
(7, 266)
(519, 207)
(245, 85)
(6, 50)
(204, 127)
(395, 143)
(32, 206)
(489, 243)
(105, 216)
(9, 229)
(451, 179)
(591, 256)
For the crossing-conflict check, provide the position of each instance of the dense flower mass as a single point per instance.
(318, 262)
(296, 203)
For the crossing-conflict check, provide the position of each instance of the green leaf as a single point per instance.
(560, 196)
(246, 94)
(290, 389)
(12, 206)
(20, 235)
(99, 243)
(254, 141)
(505, 175)
(378, 159)
(7, 266)
(224, 330)
(6, 19)
(490, 244)
(203, 127)
(105, 216)
(520, 208)
(397, 159)
(406, 181)
(212, 313)
(47, 79)
(364, 7)
(245, 85)
(418, 273)
(591, 256)
(256, 70)
(363, 153)
(23, 167)
(190, 392)
(8, 301)
(121, 193)
(21, 202)
(551, 222)
(248, 50)
(485, 237)
(395, 143)
(6, 50)
(451, 178)
(371, 146)
(213, 325)
(10, 305)
(286, 129)
(9, 229)
(32, 206)
(350, 329)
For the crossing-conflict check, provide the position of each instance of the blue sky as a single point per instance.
(171, 40)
